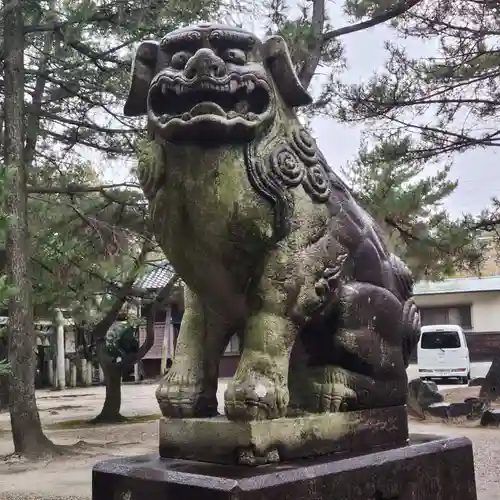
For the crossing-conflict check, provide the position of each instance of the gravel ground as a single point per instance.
(51, 480)
(71, 475)
(486, 446)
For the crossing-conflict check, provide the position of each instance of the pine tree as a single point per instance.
(447, 101)
(458, 84)
(408, 205)
(66, 71)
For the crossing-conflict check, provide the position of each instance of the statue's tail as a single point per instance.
(403, 277)
(410, 329)
(411, 316)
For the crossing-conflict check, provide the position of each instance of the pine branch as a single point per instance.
(73, 189)
(319, 39)
(397, 10)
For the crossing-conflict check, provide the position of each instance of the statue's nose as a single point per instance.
(205, 63)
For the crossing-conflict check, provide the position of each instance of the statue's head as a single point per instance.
(212, 83)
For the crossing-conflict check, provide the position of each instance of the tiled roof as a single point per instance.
(157, 275)
(458, 285)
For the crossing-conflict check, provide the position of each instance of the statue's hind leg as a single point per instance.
(367, 367)
(332, 388)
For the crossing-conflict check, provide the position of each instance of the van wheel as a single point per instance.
(465, 380)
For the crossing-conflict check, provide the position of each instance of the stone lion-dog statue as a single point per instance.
(268, 240)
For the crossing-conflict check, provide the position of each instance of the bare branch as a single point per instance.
(72, 189)
(397, 10)
(101, 328)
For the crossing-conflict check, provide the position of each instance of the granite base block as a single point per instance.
(218, 440)
(429, 469)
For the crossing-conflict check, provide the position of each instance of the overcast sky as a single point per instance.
(478, 172)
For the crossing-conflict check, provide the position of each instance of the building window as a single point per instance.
(234, 346)
(451, 315)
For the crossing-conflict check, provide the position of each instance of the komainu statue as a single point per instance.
(268, 240)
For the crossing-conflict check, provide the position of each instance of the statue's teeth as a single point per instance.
(233, 86)
(164, 88)
(250, 85)
(178, 89)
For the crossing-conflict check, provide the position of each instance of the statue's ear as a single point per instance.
(143, 68)
(279, 62)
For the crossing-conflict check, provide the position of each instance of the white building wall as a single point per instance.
(485, 307)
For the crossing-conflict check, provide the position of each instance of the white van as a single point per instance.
(442, 352)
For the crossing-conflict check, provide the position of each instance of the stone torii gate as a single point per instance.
(59, 361)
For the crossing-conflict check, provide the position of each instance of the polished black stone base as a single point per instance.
(431, 468)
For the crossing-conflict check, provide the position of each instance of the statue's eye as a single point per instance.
(179, 60)
(234, 56)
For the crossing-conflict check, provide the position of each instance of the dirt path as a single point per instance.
(72, 474)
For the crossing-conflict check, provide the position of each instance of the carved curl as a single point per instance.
(270, 187)
(317, 183)
(287, 166)
(187, 37)
(304, 146)
(150, 173)
(229, 36)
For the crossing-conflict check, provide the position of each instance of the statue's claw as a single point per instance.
(259, 399)
(179, 396)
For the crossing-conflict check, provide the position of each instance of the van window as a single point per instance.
(440, 340)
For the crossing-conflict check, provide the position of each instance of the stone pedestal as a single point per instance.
(218, 440)
(429, 468)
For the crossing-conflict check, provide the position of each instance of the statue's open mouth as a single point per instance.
(243, 99)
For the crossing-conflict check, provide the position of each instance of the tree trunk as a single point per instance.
(27, 433)
(111, 409)
(4, 393)
(113, 371)
(4, 380)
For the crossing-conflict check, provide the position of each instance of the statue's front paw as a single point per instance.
(257, 398)
(181, 396)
